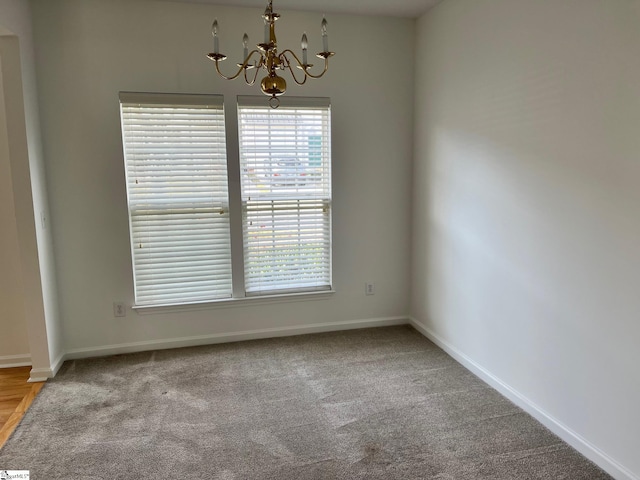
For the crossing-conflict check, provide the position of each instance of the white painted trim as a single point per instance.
(55, 366)
(43, 374)
(235, 302)
(232, 337)
(578, 442)
(40, 375)
(11, 361)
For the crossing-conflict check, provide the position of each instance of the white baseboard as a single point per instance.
(232, 337)
(12, 361)
(40, 375)
(57, 364)
(582, 445)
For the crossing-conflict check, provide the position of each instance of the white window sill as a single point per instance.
(234, 302)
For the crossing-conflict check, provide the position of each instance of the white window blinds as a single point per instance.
(176, 168)
(285, 164)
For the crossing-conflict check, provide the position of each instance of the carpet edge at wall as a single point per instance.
(578, 442)
(228, 337)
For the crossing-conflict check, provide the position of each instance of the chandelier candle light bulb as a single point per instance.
(270, 60)
(325, 37)
(266, 31)
(214, 31)
(305, 46)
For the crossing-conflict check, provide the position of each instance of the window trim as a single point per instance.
(138, 133)
(234, 188)
(236, 302)
(255, 101)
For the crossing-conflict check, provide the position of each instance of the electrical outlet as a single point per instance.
(119, 309)
(369, 288)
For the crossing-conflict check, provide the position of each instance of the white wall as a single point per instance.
(14, 341)
(29, 189)
(89, 50)
(526, 197)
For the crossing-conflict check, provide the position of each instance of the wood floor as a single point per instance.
(16, 395)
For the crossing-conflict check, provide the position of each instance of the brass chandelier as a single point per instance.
(270, 60)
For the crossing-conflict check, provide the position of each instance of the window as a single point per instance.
(176, 168)
(179, 195)
(286, 195)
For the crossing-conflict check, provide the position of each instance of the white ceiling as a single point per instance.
(396, 8)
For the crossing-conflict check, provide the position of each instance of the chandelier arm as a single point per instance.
(326, 67)
(241, 69)
(305, 69)
(246, 79)
(287, 64)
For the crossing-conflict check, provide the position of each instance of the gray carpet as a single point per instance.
(380, 403)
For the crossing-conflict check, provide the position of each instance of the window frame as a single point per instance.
(298, 105)
(239, 295)
(161, 132)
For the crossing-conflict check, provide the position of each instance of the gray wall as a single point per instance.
(526, 200)
(89, 50)
(33, 281)
(14, 342)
